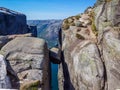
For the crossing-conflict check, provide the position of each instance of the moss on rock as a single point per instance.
(80, 36)
(65, 26)
(66, 21)
(72, 24)
(92, 18)
(77, 17)
(32, 85)
(108, 0)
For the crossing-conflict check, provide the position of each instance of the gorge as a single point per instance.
(86, 48)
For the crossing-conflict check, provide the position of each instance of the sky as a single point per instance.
(47, 9)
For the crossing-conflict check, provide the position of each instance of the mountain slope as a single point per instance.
(47, 29)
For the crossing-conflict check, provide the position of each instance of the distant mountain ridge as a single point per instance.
(47, 29)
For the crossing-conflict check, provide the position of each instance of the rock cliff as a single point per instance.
(12, 22)
(24, 60)
(90, 49)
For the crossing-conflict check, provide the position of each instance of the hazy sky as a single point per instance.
(47, 9)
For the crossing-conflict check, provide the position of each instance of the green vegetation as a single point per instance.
(70, 22)
(107, 23)
(92, 18)
(65, 26)
(94, 29)
(77, 17)
(108, 0)
(31, 85)
(66, 21)
(117, 29)
(80, 36)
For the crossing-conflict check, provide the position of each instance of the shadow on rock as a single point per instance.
(67, 82)
(13, 76)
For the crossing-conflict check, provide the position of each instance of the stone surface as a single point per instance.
(85, 67)
(107, 14)
(11, 37)
(60, 77)
(111, 55)
(27, 61)
(4, 79)
(88, 68)
(5, 39)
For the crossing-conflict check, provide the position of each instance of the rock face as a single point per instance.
(28, 63)
(90, 49)
(111, 55)
(4, 79)
(107, 22)
(12, 22)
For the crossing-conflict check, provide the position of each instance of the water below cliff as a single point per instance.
(54, 67)
(54, 76)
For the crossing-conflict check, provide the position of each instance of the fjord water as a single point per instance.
(54, 72)
(54, 68)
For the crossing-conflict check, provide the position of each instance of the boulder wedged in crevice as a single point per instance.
(54, 54)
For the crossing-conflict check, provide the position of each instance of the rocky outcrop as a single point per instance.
(90, 49)
(28, 63)
(12, 22)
